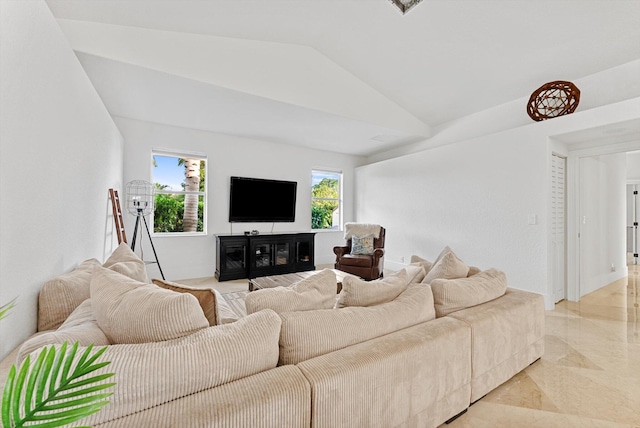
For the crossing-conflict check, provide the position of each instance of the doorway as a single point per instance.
(596, 217)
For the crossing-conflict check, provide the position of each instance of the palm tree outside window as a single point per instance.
(180, 193)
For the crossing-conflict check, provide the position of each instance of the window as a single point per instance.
(180, 192)
(326, 188)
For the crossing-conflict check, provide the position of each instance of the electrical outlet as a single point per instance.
(402, 259)
(613, 267)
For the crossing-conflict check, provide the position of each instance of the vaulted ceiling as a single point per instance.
(353, 76)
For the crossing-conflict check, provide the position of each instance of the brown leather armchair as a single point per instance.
(365, 266)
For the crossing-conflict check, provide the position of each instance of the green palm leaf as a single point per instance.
(6, 308)
(56, 390)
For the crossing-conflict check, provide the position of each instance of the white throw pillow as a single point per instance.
(357, 292)
(130, 311)
(315, 292)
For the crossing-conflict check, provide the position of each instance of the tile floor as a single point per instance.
(589, 375)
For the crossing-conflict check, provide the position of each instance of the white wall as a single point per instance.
(603, 221)
(59, 154)
(633, 167)
(476, 196)
(194, 257)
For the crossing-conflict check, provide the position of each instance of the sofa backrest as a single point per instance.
(307, 334)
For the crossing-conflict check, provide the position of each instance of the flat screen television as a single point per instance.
(259, 200)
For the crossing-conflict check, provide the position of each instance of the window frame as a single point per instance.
(184, 155)
(339, 199)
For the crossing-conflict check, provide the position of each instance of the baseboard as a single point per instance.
(393, 266)
(330, 260)
(448, 421)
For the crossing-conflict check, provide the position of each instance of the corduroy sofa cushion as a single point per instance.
(419, 261)
(357, 292)
(315, 292)
(446, 266)
(451, 295)
(148, 375)
(124, 261)
(60, 296)
(307, 334)
(129, 311)
(81, 327)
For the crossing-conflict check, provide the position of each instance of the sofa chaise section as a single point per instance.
(507, 335)
(419, 376)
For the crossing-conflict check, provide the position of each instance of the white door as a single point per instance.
(558, 223)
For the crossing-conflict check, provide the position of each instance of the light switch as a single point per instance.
(532, 219)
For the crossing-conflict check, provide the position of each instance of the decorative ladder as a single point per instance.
(117, 216)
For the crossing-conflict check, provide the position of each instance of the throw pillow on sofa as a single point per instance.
(446, 266)
(81, 326)
(209, 301)
(315, 292)
(123, 260)
(307, 334)
(130, 311)
(415, 272)
(451, 295)
(419, 261)
(61, 295)
(215, 308)
(473, 270)
(358, 292)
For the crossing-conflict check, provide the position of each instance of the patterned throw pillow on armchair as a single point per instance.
(362, 245)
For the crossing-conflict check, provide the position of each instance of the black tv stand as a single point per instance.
(251, 256)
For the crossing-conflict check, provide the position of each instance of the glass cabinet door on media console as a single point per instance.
(231, 259)
(304, 252)
(270, 255)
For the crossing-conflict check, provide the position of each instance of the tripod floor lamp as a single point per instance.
(139, 202)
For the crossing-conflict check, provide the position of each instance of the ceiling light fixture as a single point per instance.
(405, 5)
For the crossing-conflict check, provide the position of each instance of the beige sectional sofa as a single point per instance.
(298, 359)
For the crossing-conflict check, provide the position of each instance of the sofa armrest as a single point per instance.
(274, 398)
